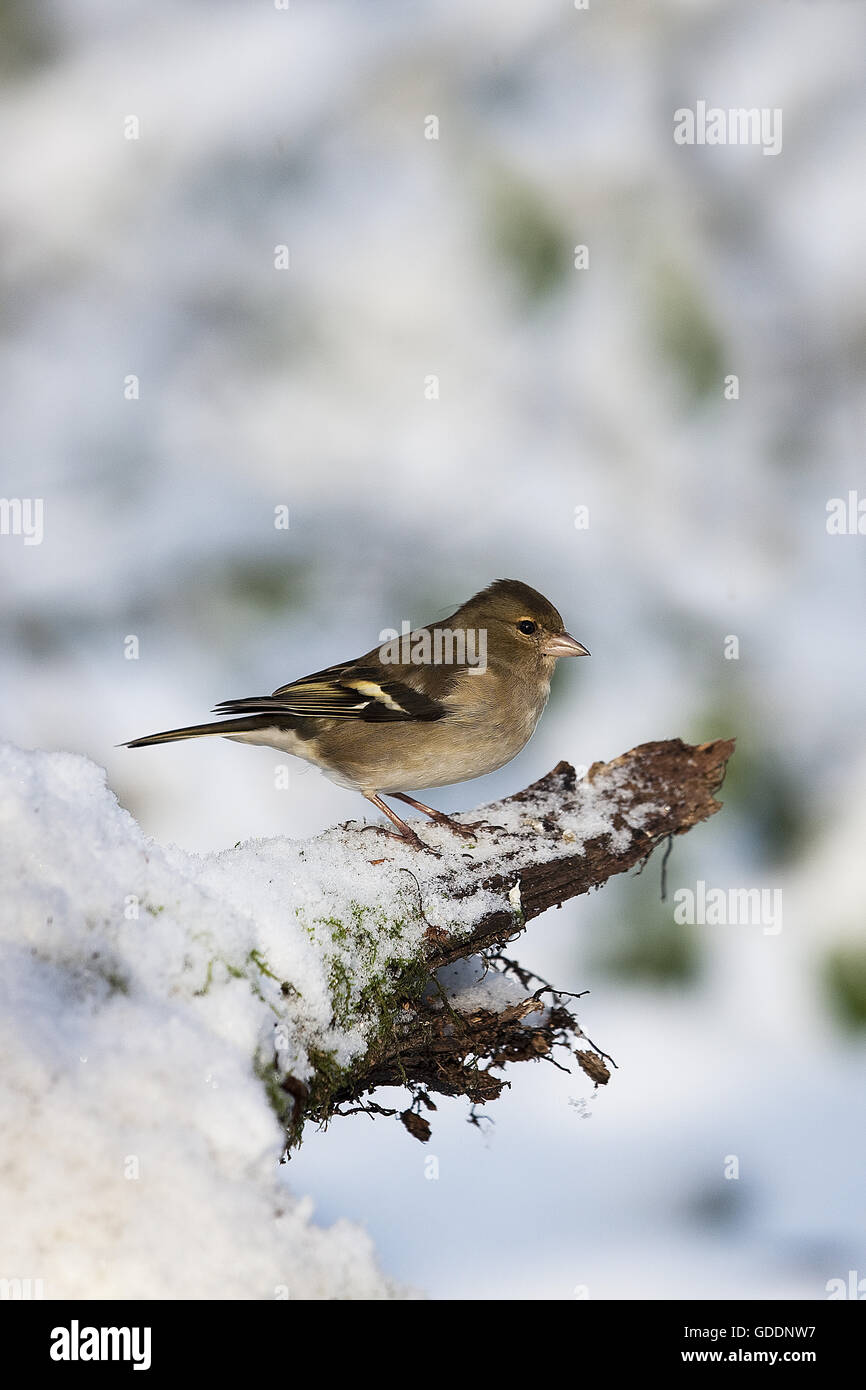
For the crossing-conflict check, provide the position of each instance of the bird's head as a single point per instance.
(521, 624)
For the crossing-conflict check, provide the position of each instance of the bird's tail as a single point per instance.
(222, 726)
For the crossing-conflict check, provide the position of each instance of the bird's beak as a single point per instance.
(563, 644)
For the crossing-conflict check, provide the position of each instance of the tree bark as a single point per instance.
(646, 796)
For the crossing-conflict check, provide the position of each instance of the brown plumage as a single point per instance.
(450, 701)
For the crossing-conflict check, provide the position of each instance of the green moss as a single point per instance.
(328, 1080)
(208, 981)
(367, 990)
(278, 1099)
(412, 979)
(363, 943)
(339, 987)
(235, 973)
(255, 958)
(326, 1065)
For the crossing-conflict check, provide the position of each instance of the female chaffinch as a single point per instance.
(434, 705)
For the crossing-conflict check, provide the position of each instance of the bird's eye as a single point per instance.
(526, 626)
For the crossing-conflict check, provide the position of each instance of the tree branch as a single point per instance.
(446, 1037)
(653, 792)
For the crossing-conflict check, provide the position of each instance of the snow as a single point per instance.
(471, 987)
(140, 1156)
(144, 989)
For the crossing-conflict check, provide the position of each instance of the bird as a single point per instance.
(426, 708)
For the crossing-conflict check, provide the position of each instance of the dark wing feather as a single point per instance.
(346, 692)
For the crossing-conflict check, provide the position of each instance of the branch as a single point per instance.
(452, 1033)
(649, 794)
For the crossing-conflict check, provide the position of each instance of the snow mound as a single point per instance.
(140, 1154)
(147, 994)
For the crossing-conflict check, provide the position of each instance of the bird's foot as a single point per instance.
(404, 839)
(467, 829)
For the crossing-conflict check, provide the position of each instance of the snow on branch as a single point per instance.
(466, 1010)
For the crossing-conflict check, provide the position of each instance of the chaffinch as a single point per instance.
(425, 708)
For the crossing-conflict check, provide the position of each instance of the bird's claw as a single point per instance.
(412, 839)
(468, 829)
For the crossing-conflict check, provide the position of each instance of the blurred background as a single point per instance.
(434, 387)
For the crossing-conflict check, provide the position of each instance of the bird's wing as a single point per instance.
(371, 692)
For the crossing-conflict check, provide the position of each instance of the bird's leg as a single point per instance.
(467, 831)
(406, 831)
